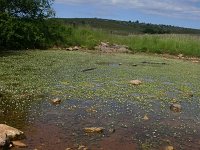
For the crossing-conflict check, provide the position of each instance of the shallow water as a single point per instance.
(61, 126)
(101, 98)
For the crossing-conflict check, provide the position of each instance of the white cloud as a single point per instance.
(173, 8)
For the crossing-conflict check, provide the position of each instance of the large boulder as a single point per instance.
(8, 133)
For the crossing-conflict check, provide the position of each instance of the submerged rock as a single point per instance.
(111, 130)
(145, 118)
(169, 148)
(82, 147)
(94, 130)
(175, 107)
(56, 101)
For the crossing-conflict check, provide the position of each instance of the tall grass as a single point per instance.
(165, 43)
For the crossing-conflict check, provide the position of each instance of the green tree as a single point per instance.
(33, 9)
(24, 24)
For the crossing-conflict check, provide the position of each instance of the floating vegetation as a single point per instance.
(102, 96)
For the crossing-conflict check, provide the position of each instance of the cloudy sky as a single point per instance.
(184, 13)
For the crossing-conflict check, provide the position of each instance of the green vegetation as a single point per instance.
(60, 73)
(24, 25)
(128, 27)
(158, 43)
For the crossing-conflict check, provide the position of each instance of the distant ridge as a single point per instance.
(128, 27)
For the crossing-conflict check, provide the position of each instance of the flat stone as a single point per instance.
(136, 82)
(19, 144)
(94, 130)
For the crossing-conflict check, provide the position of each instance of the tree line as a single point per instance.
(129, 27)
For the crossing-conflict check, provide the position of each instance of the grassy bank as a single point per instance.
(166, 43)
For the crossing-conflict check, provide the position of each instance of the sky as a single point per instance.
(183, 13)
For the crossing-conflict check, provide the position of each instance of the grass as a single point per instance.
(166, 43)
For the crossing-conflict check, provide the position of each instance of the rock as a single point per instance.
(91, 110)
(4, 141)
(56, 101)
(190, 94)
(111, 130)
(180, 56)
(19, 144)
(82, 147)
(136, 82)
(105, 44)
(75, 48)
(7, 134)
(110, 48)
(195, 61)
(169, 148)
(69, 49)
(94, 130)
(12, 133)
(175, 107)
(120, 64)
(145, 118)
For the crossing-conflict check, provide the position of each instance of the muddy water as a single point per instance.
(51, 127)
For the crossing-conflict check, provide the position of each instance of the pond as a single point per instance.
(95, 92)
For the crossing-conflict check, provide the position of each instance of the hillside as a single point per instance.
(128, 27)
